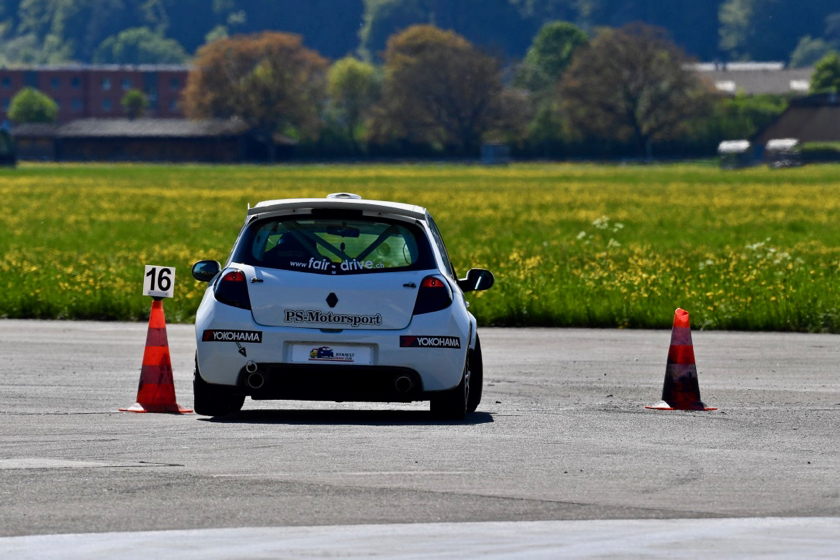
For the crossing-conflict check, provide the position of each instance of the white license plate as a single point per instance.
(328, 354)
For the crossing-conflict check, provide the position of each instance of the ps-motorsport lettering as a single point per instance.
(338, 299)
(328, 317)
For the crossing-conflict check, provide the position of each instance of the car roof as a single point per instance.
(338, 201)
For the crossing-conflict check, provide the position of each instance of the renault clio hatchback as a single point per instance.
(338, 299)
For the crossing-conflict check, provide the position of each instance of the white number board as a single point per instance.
(159, 281)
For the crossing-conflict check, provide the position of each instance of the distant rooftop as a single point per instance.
(136, 128)
(151, 128)
(815, 118)
(754, 78)
(736, 66)
(100, 67)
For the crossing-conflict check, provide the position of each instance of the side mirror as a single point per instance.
(205, 271)
(477, 279)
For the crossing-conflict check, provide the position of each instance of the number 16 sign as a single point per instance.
(159, 281)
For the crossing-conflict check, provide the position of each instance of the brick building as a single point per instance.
(96, 91)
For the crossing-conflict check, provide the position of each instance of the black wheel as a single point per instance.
(214, 400)
(452, 404)
(476, 365)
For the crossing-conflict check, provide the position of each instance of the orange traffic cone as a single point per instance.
(682, 389)
(157, 390)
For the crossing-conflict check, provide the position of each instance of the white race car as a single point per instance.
(338, 299)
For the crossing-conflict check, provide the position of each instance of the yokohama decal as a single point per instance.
(232, 336)
(430, 342)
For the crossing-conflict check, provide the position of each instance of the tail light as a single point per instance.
(232, 289)
(434, 294)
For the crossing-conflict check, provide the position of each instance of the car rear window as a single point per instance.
(328, 245)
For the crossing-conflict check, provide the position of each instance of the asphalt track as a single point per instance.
(561, 459)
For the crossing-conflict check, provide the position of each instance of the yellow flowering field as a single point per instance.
(570, 244)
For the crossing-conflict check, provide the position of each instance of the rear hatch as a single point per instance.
(334, 269)
(367, 301)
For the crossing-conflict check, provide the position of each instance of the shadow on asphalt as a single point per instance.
(346, 417)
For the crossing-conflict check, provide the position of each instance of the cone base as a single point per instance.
(173, 408)
(665, 406)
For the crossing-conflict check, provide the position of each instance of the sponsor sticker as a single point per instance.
(327, 265)
(232, 336)
(332, 354)
(425, 341)
(330, 318)
(327, 354)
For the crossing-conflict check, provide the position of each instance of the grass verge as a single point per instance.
(571, 245)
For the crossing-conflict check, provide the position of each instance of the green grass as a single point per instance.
(571, 245)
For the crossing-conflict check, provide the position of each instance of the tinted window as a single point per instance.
(325, 245)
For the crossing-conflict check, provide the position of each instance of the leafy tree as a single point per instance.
(738, 117)
(631, 84)
(438, 89)
(832, 28)
(190, 21)
(328, 26)
(139, 45)
(826, 76)
(769, 29)
(269, 80)
(135, 103)
(72, 29)
(540, 71)
(495, 25)
(693, 25)
(546, 129)
(353, 87)
(808, 51)
(515, 110)
(552, 10)
(218, 32)
(32, 106)
(550, 54)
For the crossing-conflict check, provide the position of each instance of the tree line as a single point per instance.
(798, 32)
(627, 91)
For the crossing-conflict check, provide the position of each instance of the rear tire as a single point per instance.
(476, 377)
(214, 400)
(452, 404)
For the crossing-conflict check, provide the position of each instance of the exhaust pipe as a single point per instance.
(403, 384)
(254, 380)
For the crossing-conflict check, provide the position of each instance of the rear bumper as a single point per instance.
(320, 383)
(275, 351)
